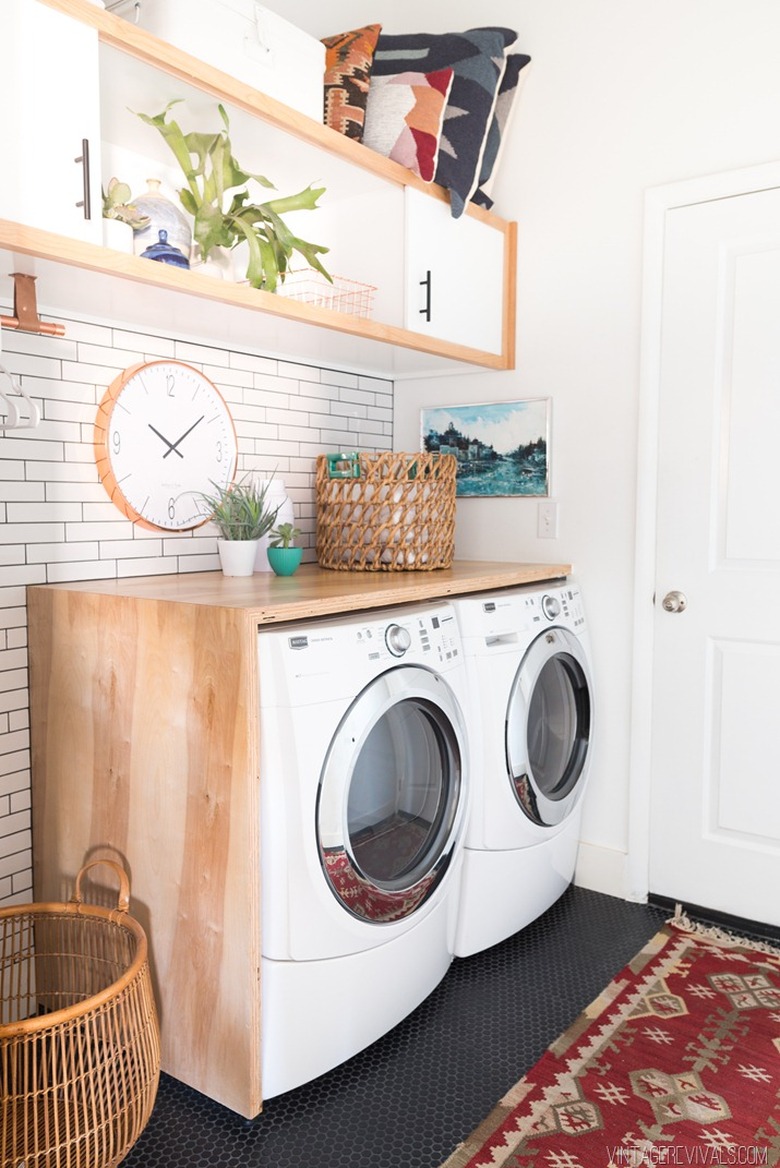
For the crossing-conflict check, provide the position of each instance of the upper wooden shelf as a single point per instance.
(199, 307)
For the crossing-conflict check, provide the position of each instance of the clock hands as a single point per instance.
(173, 446)
(184, 435)
(170, 445)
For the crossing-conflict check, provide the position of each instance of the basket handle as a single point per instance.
(123, 896)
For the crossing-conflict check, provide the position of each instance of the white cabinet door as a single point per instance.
(454, 275)
(50, 130)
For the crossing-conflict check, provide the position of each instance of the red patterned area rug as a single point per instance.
(676, 1062)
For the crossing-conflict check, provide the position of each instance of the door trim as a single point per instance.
(658, 202)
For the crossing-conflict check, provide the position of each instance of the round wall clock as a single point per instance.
(163, 436)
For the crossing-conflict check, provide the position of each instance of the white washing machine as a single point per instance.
(363, 799)
(530, 723)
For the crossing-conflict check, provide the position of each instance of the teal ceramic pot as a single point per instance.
(284, 561)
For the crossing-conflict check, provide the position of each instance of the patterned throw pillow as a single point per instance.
(477, 58)
(404, 117)
(348, 60)
(512, 82)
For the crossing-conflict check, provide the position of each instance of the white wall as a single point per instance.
(622, 96)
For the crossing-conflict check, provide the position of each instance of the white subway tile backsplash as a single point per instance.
(14, 699)
(11, 659)
(58, 553)
(81, 570)
(57, 524)
(299, 372)
(26, 523)
(22, 574)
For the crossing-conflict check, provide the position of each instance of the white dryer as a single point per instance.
(530, 725)
(363, 800)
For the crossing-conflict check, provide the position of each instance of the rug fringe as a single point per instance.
(714, 933)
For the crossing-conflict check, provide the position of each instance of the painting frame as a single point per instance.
(503, 447)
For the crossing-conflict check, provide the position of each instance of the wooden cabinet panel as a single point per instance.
(145, 748)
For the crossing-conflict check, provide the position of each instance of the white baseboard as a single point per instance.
(602, 869)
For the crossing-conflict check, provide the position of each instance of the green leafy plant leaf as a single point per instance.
(217, 196)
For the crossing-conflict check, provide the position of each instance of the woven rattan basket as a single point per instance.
(79, 1036)
(397, 514)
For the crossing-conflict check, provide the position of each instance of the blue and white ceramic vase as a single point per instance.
(164, 216)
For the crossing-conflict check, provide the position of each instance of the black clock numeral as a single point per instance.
(171, 508)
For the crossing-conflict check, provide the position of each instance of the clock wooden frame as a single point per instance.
(203, 483)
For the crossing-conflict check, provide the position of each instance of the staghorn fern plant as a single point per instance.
(216, 195)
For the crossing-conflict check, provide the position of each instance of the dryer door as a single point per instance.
(390, 805)
(548, 727)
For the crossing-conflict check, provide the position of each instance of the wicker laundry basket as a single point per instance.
(396, 514)
(79, 1035)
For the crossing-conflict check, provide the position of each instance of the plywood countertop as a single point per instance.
(314, 591)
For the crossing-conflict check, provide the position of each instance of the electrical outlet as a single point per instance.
(547, 520)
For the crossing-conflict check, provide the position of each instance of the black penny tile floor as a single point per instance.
(409, 1099)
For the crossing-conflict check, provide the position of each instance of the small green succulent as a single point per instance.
(283, 535)
(117, 205)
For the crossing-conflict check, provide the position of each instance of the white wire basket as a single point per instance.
(344, 295)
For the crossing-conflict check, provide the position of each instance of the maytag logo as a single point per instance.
(299, 642)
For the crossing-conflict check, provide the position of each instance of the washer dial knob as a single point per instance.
(398, 639)
(551, 606)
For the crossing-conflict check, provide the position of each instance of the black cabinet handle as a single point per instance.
(83, 158)
(426, 284)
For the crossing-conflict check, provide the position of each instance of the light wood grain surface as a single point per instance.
(144, 698)
(315, 591)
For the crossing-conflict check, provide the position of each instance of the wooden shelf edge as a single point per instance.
(21, 240)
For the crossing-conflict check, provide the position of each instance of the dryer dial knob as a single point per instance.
(551, 606)
(398, 639)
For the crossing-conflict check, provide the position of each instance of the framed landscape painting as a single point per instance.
(502, 448)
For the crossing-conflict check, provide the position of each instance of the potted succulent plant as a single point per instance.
(217, 196)
(120, 216)
(242, 515)
(282, 556)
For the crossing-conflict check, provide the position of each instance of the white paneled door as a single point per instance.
(715, 762)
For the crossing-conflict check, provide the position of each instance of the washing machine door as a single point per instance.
(548, 727)
(391, 799)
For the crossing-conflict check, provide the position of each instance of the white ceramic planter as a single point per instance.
(237, 556)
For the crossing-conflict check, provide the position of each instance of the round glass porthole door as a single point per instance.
(548, 727)
(391, 796)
